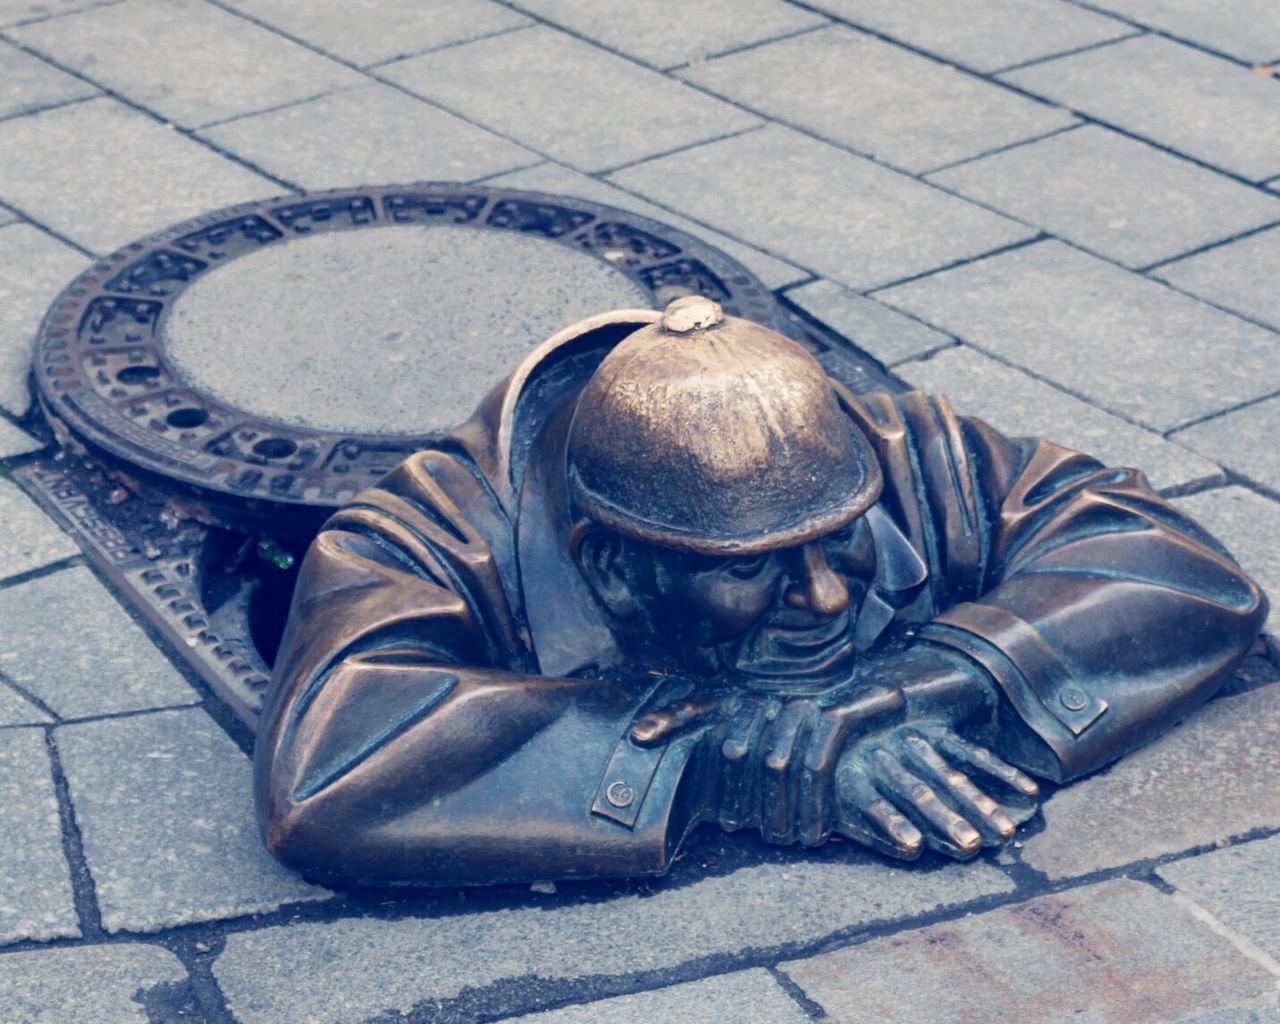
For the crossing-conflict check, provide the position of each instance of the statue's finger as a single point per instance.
(944, 830)
(817, 776)
(1015, 789)
(738, 777)
(956, 788)
(660, 726)
(870, 819)
(780, 771)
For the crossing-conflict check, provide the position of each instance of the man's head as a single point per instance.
(720, 490)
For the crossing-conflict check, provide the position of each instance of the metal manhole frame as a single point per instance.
(105, 381)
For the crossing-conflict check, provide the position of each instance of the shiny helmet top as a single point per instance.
(712, 434)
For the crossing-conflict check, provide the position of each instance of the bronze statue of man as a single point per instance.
(671, 573)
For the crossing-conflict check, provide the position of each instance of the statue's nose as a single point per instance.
(819, 588)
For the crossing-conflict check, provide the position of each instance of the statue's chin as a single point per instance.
(774, 658)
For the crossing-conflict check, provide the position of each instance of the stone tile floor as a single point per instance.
(1063, 212)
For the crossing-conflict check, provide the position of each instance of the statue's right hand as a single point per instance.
(923, 786)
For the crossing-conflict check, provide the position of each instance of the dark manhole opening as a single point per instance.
(221, 387)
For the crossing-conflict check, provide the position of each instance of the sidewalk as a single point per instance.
(1063, 214)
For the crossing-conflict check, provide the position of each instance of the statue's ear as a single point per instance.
(602, 559)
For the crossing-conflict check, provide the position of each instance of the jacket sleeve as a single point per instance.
(1101, 612)
(404, 739)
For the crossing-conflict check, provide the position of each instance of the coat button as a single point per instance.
(1073, 699)
(620, 794)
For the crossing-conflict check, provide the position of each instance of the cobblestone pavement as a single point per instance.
(1063, 213)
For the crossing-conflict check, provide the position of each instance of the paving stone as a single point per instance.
(982, 34)
(1202, 106)
(67, 641)
(1208, 779)
(28, 541)
(1243, 441)
(748, 997)
(350, 969)
(103, 175)
(16, 710)
(103, 984)
(1237, 886)
(397, 329)
(1247, 524)
(566, 98)
(1018, 405)
(31, 84)
(1240, 275)
(190, 62)
(1114, 196)
(877, 98)
(1122, 341)
(165, 807)
(16, 442)
(1247, 29)
(372, 135)
(380, 30)
(35, 884)
(1120, 951)
(837, 214)
(665, 33)
(34, 268)
(884, 334)
(560, 180)
(7, 216)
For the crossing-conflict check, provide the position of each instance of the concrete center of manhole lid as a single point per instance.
(390, 330)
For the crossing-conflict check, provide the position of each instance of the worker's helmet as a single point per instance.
(712, 434)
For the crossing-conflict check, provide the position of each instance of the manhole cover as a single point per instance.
(283, 355)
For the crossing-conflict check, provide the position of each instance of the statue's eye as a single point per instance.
(747, 568)
(844, 536)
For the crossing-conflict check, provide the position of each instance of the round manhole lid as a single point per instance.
(288, 353)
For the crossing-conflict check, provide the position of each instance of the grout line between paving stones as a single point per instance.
(197, 956)
(39, 572)
(433, 49)
(1022, 243)
(32, 699)
(745, 47)
(809, 1006)
(83, 889)
(924, 175)
(1138, 31)
(30, 220)
(271, 110)
(684, 148)
(1168, 434)
(1207, 247)
(46, 107)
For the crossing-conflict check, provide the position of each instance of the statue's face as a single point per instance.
(783, 617)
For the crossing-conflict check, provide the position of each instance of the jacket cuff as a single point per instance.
(1048, 711)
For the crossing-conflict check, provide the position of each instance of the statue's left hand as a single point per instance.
(923, 786)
